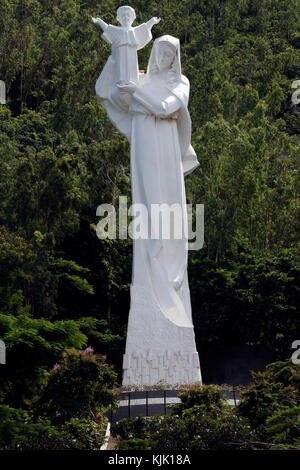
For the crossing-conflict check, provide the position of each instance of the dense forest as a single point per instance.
(60, 286)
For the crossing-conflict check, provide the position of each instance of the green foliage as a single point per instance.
(270, 393)
(205, 431)
(209, 424)
(266, 418)
(134, 427)
(208, 398)
(31, 279)
(202, 420)
(136, 444)
(80, 385)
(87, 433)
(33, 274)
(12, 425)
(284, 428)
(44, 437)
(252, 298)
(33, 346)
(18, 431)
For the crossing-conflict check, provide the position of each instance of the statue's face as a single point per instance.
(126, 17)
(165, 56)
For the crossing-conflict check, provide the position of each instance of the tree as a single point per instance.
(80, 385)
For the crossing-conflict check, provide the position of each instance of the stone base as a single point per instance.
(157, 350)
(176, 368)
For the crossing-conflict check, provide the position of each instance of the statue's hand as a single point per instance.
(153, 21)
(156, 20)
(100, 22)
(129, 87)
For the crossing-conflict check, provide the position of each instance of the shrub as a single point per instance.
(136, 444)
(77, 387)
(284, 428)
(203, 420)
(206, 397)
(200, 430)
(88, 434)
(18, 431)
(195, 430)
(47, 438)
(12, 425)
(130, 428)
(272, 390)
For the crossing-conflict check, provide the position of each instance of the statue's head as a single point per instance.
(165, 55)
(126, 15)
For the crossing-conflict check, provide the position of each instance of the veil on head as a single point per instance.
(175, 71)
(179, 85)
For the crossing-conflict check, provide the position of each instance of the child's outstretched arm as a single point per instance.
(101, 23)
(152, 22)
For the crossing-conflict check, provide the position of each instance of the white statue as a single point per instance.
(152, 113)
(125, 42)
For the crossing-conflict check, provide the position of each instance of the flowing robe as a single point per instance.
(160, 263)
(157, 125)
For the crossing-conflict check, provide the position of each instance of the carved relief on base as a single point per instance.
(152, 368)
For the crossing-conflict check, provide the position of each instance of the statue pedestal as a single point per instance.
(157, 350)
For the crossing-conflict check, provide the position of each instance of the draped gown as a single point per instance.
(160, 344)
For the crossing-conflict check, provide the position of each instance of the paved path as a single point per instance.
(112, 443)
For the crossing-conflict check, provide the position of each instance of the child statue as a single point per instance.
(126, 41)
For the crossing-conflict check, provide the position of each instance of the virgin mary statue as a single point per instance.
(153, 115)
